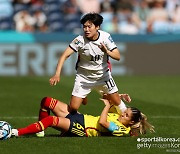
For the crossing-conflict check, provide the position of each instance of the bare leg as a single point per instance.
(61, 109)
(115, 99)
(63, 124)
(75, 103)
(85, 100)
(50, 104)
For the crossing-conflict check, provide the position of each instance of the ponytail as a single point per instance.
(141, 125)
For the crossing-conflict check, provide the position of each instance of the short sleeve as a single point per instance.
(112, 127)
(76, 43)
(110, 43)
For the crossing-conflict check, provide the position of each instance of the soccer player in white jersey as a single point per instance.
(94, 48)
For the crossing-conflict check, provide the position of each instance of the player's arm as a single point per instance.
(114, 54)
(103, 118)
(56, 78)
(111, 126)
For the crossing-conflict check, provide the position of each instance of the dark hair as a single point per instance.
(136, 115)
(95, 18)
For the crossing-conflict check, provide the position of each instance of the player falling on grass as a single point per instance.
(94, 49)
(82, 125)
(61, 109)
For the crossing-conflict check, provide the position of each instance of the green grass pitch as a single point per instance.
(157, 96)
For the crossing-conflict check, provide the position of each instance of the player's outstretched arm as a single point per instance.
(56, 78)
(103, 118)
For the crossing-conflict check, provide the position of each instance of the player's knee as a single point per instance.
(116, 101)
(48, 103)
(85, 100)
(75, 103)
(45, 102)
(72, 108)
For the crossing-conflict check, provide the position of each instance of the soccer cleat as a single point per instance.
(14, 132)
(40, 134)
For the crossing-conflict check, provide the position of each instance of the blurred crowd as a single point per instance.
(120, 16)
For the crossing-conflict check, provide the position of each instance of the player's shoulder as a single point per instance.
(104, 33)
(105, 36)
(78, 39)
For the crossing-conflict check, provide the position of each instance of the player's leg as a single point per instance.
(115, 99)
(50, 104)
(108, 89)
(108, 86)
(85, 101)
(80, 91)
(75, 103)
(120, 107)
(61, 109)
(50, 121)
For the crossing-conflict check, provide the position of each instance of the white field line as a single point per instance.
(35, 117)
(30, 117)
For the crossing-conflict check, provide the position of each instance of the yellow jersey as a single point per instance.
(93, 128)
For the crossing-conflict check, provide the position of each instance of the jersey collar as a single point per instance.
(95, 39)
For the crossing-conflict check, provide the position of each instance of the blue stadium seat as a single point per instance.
(53, 7)
(175, 28)
(34, 8)
(56, 26)
(6, 23)
(5, 26)
(72, 21)
(52, 1)
(160, 27)
(55, 17)
(20, 7)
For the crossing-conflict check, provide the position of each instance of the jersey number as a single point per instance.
(95, 58)
(110, 83)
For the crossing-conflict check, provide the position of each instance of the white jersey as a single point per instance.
(92, 61)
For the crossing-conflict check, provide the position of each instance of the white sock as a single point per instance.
(14, 132)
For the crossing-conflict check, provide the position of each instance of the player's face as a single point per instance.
(125, 117)
(90, 30)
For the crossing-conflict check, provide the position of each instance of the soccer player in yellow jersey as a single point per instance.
(76, 124)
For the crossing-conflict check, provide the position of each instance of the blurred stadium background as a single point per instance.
(120, 16)
(34, 33)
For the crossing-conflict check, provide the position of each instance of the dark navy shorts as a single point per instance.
(77, 127)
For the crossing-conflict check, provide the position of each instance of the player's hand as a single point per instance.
(103, 47)
(106, 102)
(125, 97)
(54, 80)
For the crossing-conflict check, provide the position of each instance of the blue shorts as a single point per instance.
(77, 127)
